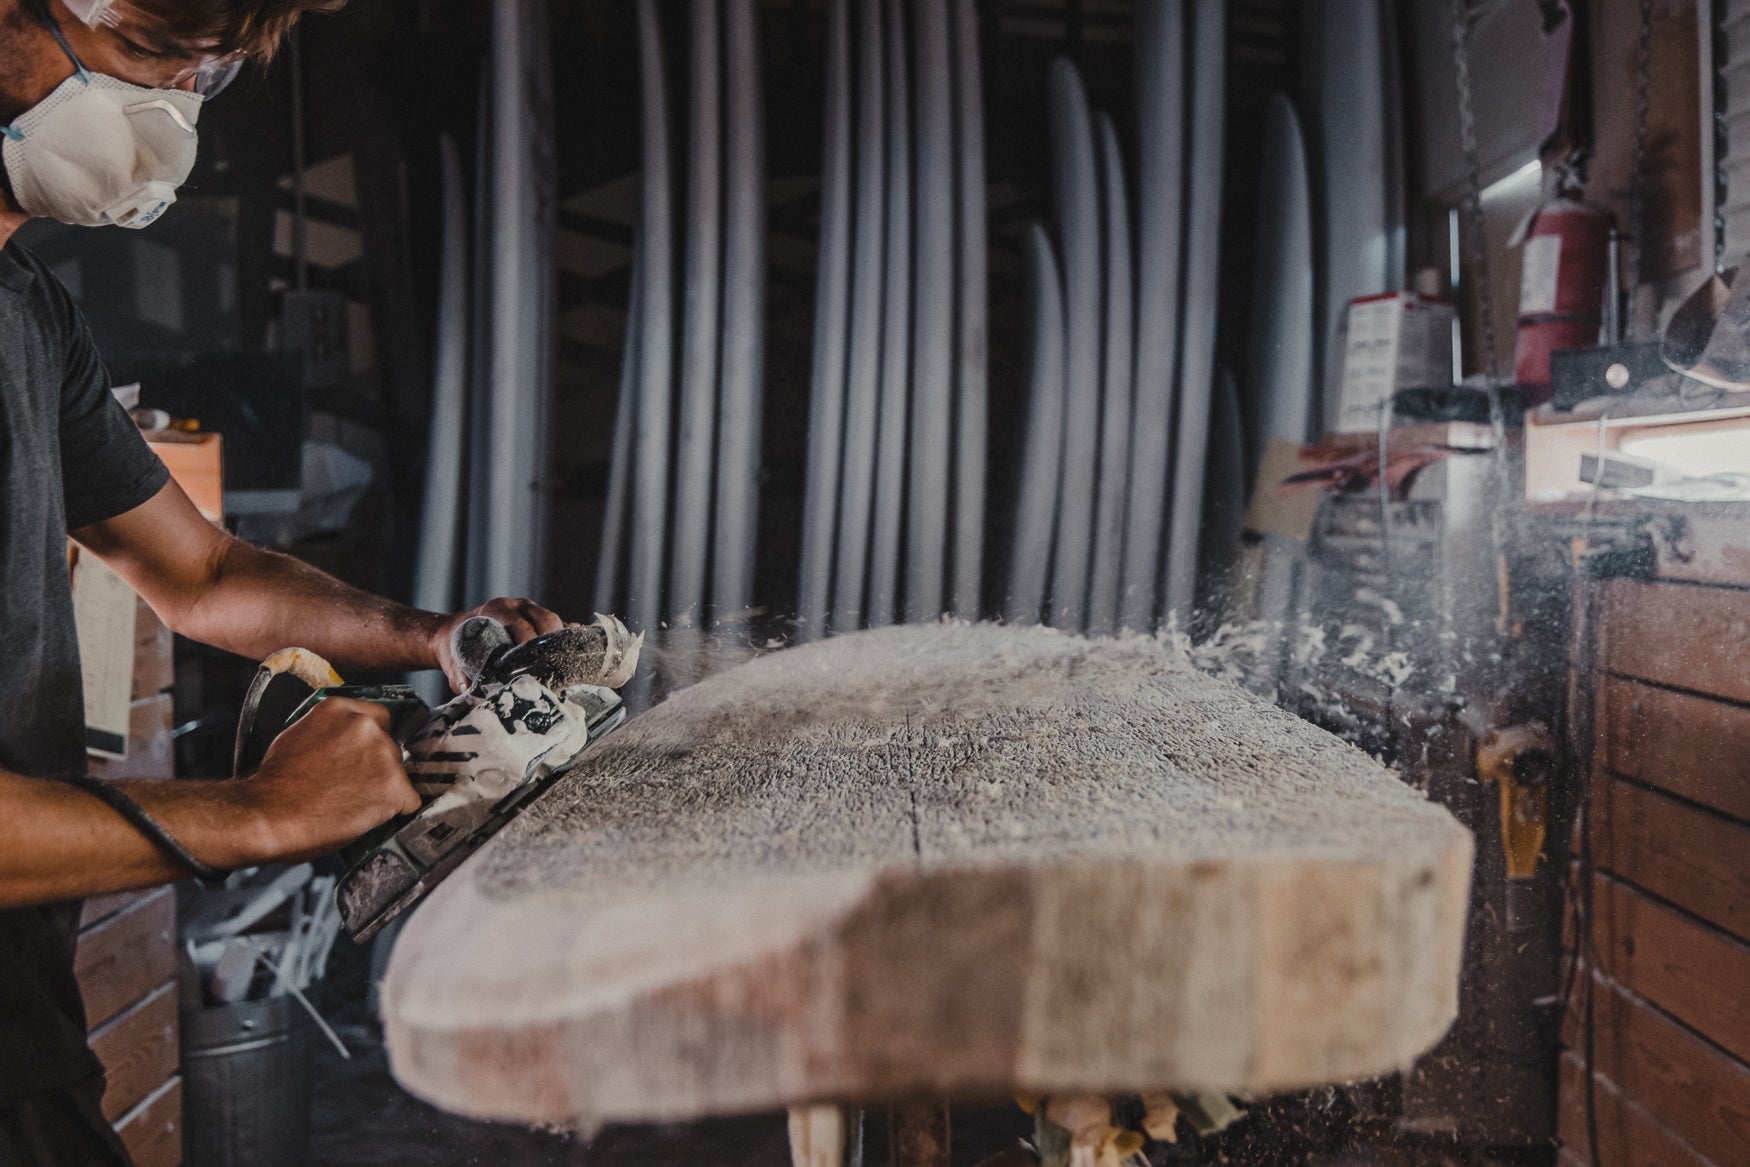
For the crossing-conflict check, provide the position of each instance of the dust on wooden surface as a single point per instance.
(951, 745)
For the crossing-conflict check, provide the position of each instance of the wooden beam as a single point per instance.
(937, 861)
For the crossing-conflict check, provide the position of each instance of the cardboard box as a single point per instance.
(1395, 341)
(1273, 511)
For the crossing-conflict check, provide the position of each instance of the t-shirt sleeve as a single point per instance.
(106, 466)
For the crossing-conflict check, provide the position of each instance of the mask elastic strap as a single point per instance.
(84, 74)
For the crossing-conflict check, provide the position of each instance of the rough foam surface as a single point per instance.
(948, 744)
(945, 858)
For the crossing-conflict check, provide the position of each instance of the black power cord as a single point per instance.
(142, 821)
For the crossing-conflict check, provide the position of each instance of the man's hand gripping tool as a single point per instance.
(527, 716)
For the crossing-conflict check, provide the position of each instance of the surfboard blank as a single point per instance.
(1280, 373)
(890, 449)
(1269, 909)
(1117, 390)
(741, 405)
(971, 316)
(1030, 558)
(1201, 297)
(610, 575)
(440, 518)
(1279, 370)
(1076, 190)
(1160, 123)
(828, 434)
(932, 375)
(700, 329)
(654, 414)
(506, 553)
(1345, 72)
(863, 382)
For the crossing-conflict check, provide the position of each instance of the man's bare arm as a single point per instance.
(57, 842)
(324, 782)
(210, 586)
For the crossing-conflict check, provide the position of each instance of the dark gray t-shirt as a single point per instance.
(69, 456)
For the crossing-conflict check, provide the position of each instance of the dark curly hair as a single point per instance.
(254, 27)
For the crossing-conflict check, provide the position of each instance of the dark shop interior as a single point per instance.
(835, 583)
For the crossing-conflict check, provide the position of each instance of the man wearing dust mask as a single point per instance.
(100, 104)
(100, 149)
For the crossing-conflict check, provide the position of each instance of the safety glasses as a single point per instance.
(160, 67)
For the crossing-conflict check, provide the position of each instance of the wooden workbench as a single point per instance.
(939, 861)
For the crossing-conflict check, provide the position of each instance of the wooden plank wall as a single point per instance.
(1668, 958)
(126, 959)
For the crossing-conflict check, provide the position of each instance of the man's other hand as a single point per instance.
(523, 619)
(328, 778)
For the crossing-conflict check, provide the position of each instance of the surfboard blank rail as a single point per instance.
(937, 861)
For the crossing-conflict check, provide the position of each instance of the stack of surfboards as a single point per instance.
(1131, 430)
(686, 555)
(1122, 377)
(894, 512)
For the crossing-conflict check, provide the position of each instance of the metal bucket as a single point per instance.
(246, 1073)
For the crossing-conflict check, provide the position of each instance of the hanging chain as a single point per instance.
(1502, 509)
(1467, 130)
(1637, 192)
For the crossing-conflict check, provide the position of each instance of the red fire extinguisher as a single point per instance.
(1566, 255)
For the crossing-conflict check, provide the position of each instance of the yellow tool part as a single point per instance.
(302, 664)
(1517, 759)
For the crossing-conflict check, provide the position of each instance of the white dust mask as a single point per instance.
(99, 151)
